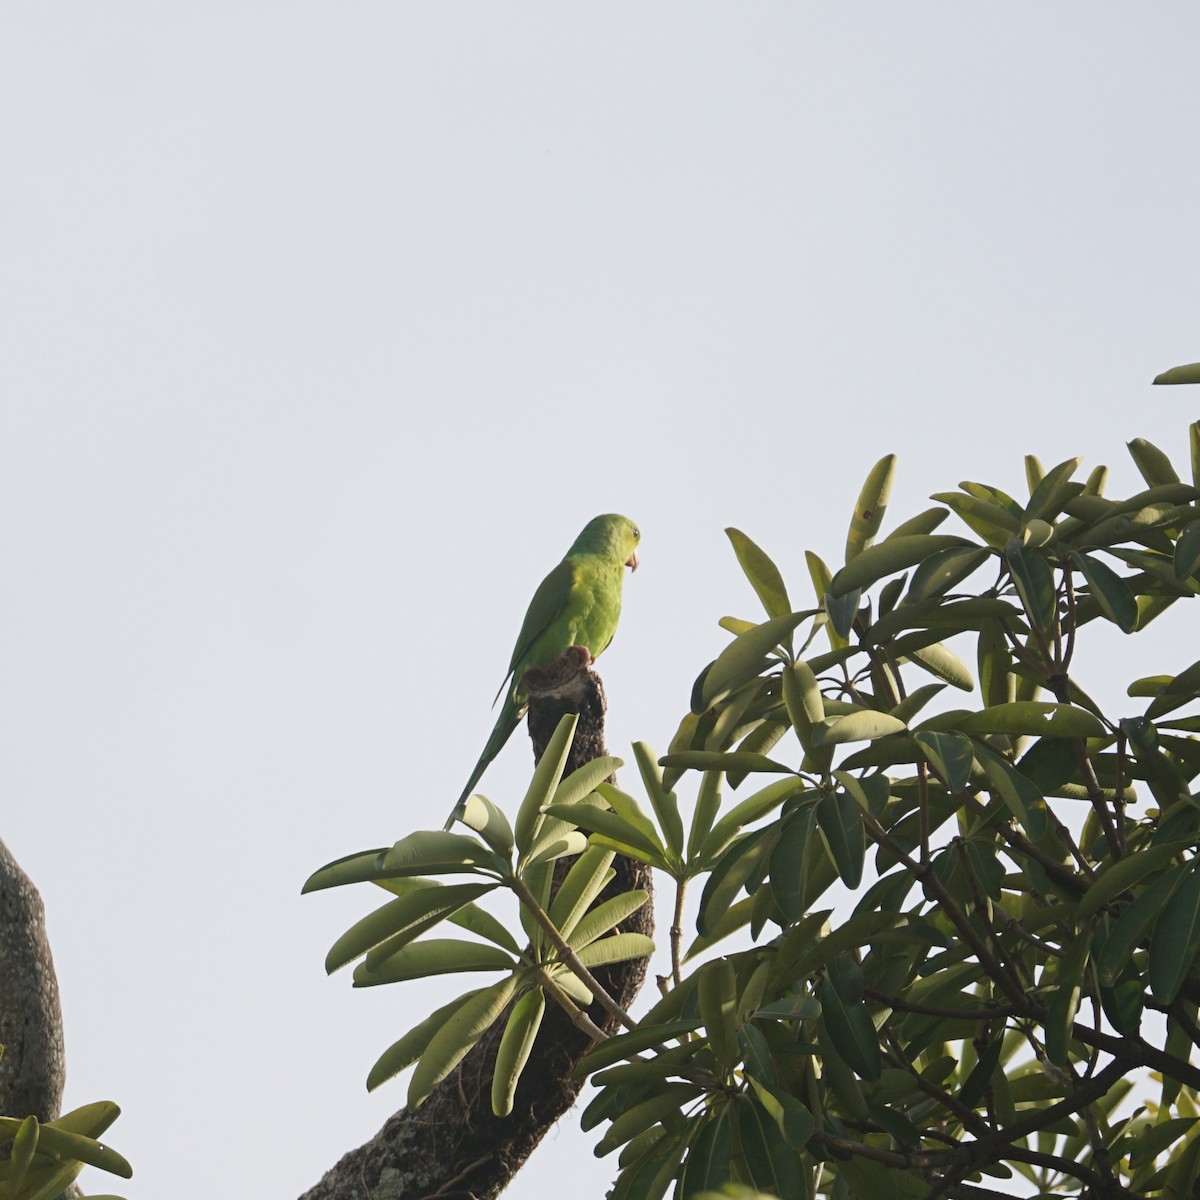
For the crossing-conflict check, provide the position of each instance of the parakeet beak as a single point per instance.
(631, 561)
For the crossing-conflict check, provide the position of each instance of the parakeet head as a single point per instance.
(611, 535)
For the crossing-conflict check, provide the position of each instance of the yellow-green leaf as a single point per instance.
(437, 956)
(1035, 718)
(400, 921)
(889, 556)
(872, 504)
(515, 1046)
(762, 573)
(455, 1038)
(1185, 374)
(1154, 465)
(745, 657)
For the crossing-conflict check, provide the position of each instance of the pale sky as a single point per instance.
(325, 328)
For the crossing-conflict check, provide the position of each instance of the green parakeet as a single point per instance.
(577, 604)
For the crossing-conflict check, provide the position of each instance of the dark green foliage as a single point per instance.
(955, 889)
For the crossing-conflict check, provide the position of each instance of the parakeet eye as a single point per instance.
(637, 534)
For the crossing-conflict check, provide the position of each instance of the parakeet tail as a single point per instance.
(509, 718)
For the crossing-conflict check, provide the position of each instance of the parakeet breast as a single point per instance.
(589, 618)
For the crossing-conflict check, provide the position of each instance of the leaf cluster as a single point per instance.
(41, 1160)
(960, 886)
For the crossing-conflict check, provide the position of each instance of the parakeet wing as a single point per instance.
(545, 608)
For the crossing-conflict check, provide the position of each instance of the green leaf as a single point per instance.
(938, 659)
(1124, 1001)
(1060, 1018)
(708, 804)
(1024, 800)
(437, 956)
(489, 822)
(941, 571)
(950, 754)
(404, 1052)
(545, 780)
(802, 700)
(756, 1054)
(997, 684)
(1186, 374)
(612, 827)
(889, 556)
(924, 522)
(1052, 491)
(916, 700)
(896, 1123)
(664, 803)
(63, 1143)
(841, 611)
(620, 947)
(717, 992)
(625, 1045)
(1117, 877)
(353, 868)
(603, 917)
(580, 784)
(1034, 582)
(1187, 552)
(628, 809)
(840, 823)
(1110, 591)
(709, 1162)
(1034, 718)
(24, 1147)
(465, 1026)
(1049, 763)
(742, 862)
(748, 811)
(760, 740)
(863, 726)
(872, 504)
(977, 1081)
(586, 879)
(987, 869)
(91, 1120)
(717, 760)
(794, 1121)
(400, 921)
(1176, 940)
(437, 852)
(470, 917)
(772, 1164)
(788, 880)
(551, 844)
(1153, 464)
(991, 521)
(821, 576)
(744, 658)
(642, 1116)
(515, 1046)
(762, 573)
(851, 1031)
(1133, 926)
(649, 1174)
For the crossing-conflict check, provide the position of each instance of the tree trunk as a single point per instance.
(32, 1067)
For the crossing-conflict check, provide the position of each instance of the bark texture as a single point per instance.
(453, 1147)
(32, 1068)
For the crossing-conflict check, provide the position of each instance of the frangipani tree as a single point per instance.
(966, 897)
